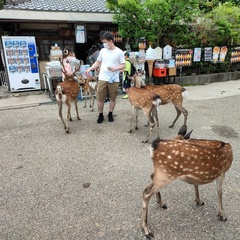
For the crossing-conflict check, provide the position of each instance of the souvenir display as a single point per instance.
(183, 57)
(235, 55)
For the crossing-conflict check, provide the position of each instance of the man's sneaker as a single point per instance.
(106, 100)
(110, 117)
(100, 118)
(125, 97)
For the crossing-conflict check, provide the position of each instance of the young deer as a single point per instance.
(89, 86)
(67, 92)
(194, 161)
(141, 98)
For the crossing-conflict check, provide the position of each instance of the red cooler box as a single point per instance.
(159, 72)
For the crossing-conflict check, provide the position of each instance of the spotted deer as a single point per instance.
(89, 86)
(67, 92)
(142, 99)
(173, 93)
(194, 161)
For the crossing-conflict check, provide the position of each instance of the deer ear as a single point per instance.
(183, 130)
(187, 136)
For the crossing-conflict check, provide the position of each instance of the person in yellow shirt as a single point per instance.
(127, 71)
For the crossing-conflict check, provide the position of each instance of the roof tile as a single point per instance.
(59, 5)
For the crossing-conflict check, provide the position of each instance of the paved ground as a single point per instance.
(88, 184)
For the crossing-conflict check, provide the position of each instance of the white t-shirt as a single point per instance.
(110, 58)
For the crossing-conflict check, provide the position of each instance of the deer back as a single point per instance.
(169, 93)
(140, 97)
(193, 161)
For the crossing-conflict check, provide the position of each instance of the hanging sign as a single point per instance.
(167, 52)
(80, 34)
(215, 55)
(223, 54)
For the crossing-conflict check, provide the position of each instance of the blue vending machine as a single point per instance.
(22, 63)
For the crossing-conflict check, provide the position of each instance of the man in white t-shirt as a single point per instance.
(110, 60)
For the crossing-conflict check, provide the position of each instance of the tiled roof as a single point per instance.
(59, 5)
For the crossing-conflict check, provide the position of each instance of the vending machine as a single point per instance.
(21, 63)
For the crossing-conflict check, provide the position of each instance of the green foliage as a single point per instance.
(178, 22)
(1, 4)
(153, 19)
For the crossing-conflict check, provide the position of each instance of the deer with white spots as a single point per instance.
(141, 98)
(67, 92)
(173, 93)
(194, 161)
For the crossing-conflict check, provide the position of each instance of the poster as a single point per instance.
(235, 55)
(223, 54)
(197, 54)
(208, 54)
(215, 55)
(183, 57)
(80, 34)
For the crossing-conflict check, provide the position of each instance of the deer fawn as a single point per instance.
(89, 86)
(67, 92)
(194, 161)
(148, 102)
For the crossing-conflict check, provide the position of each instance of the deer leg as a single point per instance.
(76, 108)
(60, 113)
(155, 113)
(197, 200)
(85, 102)
(178, 115)
(92, 101)
(180, 110)
(221, 213)
(147, 194)
(148, 114)
(158, 197)
(154, 187)
(68, 117)
(134, 116)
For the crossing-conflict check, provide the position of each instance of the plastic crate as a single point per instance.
(159, 72)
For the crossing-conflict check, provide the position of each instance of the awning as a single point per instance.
(23, 15)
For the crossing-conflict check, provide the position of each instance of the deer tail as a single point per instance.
(59, 92)
(184, 93)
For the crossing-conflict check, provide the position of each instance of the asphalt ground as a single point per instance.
(88, 184)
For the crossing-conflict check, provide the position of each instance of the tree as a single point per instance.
(156, 20)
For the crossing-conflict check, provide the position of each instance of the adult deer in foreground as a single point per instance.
(194, 161)
(67, 92)
(89, 86)
(148, 102)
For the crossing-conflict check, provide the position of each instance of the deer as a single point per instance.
(141, 98)
(194, 161)
(173, 93)
(89, 86)
(67, 92)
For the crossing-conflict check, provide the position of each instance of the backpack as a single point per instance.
(133, 69)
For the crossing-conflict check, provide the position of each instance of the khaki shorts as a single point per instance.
(105, 88)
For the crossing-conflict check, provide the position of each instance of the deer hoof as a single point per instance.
(136, 128)
(200, 203)
(164, 206)
(67, 131)
(171, 126)
(222, 218)
(144, 141)
(84, 106)
(130, 131)
(149, 236)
